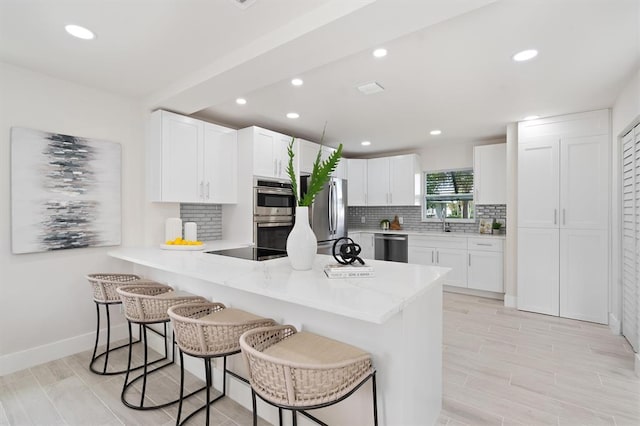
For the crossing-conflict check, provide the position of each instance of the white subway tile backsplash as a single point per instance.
(208, 217)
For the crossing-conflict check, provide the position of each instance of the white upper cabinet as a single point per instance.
(191, 161)
(309, 153)
(538, 176)
(584, 170)
(394, 181)
(357, 182)
(270, 156)
(378, 181)
(490, 174)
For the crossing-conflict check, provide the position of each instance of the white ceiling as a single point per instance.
(449, 64)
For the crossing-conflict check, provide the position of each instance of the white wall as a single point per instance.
(46, 308)
(626, 110)
(453, 155)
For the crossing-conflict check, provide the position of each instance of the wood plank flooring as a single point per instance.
(507, 367)
(501, 367)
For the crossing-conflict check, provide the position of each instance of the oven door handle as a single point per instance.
(272, 224)
(276, 191)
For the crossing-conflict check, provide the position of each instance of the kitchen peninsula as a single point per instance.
(396, 316)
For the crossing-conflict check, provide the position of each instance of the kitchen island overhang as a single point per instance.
(396, 316)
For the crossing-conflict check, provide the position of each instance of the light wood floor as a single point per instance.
(501, 367)
(507, 367)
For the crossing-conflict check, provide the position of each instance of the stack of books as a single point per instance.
(336, 270)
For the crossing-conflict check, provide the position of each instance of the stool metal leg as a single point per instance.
(375, 400)
(95, 346)
(181, 387)
(106, 354)
(294, 416)
(207, 369)
(146, 359)
(255, 409)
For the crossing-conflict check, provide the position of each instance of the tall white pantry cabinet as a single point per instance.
(563, 215)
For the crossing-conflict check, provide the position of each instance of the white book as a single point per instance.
(353, 266)
(348, 271)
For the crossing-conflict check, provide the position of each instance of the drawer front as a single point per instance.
(439, 242)
(485, 244)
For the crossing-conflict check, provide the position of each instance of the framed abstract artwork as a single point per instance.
(65, 191)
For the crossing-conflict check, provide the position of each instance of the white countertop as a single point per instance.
(430, 233)
(374, 299)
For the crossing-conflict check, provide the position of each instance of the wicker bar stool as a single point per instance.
(147, 304)
(301, 371)
(104, 294)
(210, 330)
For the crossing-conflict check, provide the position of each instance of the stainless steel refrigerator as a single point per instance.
(328, 214)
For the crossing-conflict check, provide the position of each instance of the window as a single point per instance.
(449, 192)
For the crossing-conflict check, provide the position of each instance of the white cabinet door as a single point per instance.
(378, 181)
(584, 177)
(490, 174)
(485, 271)
(538, 176)
(357, 182)
(457, 261)
(181, 159)
(584, 273)
(263, 160)
(281, 155)
(367, 245)
(422, 255)
(308, 153)
(404, 185)
(539, 270)
(220, 165)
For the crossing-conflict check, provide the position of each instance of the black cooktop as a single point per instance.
(251, 253)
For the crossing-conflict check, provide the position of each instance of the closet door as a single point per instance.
(630, 235)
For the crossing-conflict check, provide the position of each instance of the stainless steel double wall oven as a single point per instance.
(273, 212)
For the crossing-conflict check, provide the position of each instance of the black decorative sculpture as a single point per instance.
(348, 252)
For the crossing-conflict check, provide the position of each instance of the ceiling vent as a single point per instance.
(243, 4)
(370, 88)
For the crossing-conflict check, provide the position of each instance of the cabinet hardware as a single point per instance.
(438, 257)
(208, 187)
(201, 189)
(555, 216)
(469, 259)
(483, 244)
(564, 216)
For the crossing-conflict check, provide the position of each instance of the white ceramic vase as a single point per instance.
(302, 244)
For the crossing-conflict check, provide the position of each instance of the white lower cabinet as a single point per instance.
(365, 240)
(475, 262)
(485, 266)
(441, 251)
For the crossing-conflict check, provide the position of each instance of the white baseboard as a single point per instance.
(473, 292)
(28, 358)
(614, 324)
(510, 301)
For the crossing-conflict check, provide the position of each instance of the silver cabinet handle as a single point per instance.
(208, 188)
(484, 244)
(201, 189)
(431, 256)
(388, 238)
(469, 259)
(564, 216)
(555, 216)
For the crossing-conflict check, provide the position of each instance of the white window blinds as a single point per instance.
(631, 236)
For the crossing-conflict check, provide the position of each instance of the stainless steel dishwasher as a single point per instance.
(392, 247)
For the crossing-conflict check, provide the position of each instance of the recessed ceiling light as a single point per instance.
(435, 132)
(380, 53)
(297, 82)
(525, 55)
(241, 101)
(293, 115)
(531, 117)
(80, 32)
(365, 143)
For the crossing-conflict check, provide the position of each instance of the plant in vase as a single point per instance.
(302, 245)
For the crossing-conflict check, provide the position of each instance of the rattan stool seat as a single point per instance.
(301, 370)
(210, 330)
(147, 304)
(104, 287)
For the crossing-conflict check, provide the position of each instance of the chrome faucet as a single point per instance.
(445, 225)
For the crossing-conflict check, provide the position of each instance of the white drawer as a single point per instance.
(485, 244)
(438, 242)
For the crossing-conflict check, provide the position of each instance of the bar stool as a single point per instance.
(147, 304)
(301, 371)
(210, 330)
(104, 294)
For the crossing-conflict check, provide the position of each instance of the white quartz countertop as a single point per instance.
(430, 233)
(374, 299)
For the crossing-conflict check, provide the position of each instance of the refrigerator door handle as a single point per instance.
(330, 212)
(334, 208)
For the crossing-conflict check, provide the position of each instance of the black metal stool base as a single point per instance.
(146, 371)
(209, 384)
(301, 410)
(94, 358)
